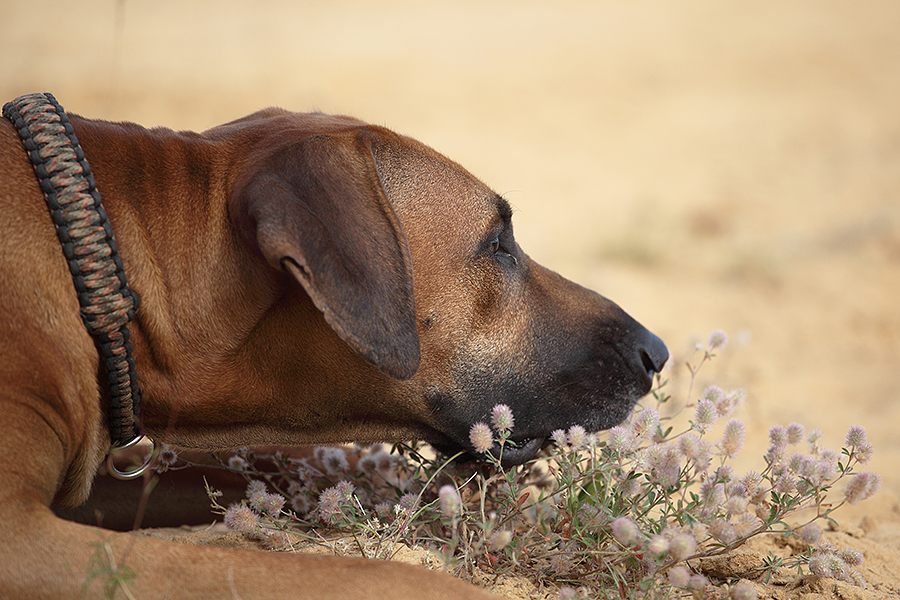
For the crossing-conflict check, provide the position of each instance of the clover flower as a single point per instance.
(682, 546)
(705, 415)
(450, 502)
(679, 576)
(481, 437)
(267, 504)
(166, 458)
(619, 439)
(559, 438)
(862, 486)
(254, 487)
(743, 591)
(645, 424)
(330, 504)
(658, 545)
(240, 518)
(795, 433)
(778, 437)
(409, 501)
(333, 460)
(502, 418)
(577, 437)
(863, 453)
(745, 524)
(732, 438)
(717, 339)
(236, 463)
(500, 540)
(811, 533)
(624, 530)
(856, 436)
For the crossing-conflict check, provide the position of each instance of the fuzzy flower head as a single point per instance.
(679, 576)
(240, 518)
(502, 418)
(236, 463)
(732, 438)
(743, 591)
(625, 531)
(451, 503)
(166, 458)
(619, 439)
(559, 438)
(856, 436)
(333, 460)
(864, 453)
(481, 437)
(330, 504)
(795, 433)
(577, 437)
(267, 504)
(682, 546)
(717, 339)
(813, 438)
(705, 415)
(254, 487)
(713, 393)
(645, 424)
(811, 533)
(778, 437)
(409, 501)
(862, 486)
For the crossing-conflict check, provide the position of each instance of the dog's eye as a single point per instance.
(495, 245)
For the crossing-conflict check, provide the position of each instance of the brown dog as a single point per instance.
(303, 279)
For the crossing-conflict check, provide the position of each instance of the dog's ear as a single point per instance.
(319, 212)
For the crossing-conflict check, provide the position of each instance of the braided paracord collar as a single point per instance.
(107, 304)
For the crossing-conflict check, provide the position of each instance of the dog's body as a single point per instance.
(303, 279)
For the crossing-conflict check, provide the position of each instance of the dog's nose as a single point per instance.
(653, 353)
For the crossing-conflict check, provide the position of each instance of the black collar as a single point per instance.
(107, 304)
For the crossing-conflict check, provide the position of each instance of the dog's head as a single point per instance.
(412, 263)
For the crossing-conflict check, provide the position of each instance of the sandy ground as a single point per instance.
(705, 164)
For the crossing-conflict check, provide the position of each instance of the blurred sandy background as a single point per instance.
(705, 164)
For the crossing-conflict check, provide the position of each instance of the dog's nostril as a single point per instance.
(654, 354)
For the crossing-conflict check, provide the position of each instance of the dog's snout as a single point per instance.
(653, 353)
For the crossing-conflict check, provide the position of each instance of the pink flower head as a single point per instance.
(502, 418)
(717, 339)
(856, 436)
(559, 438)
(619, 439)
(679, 576)
(577, 437)
(864, 453)
(481, 437)
(682, 546)
(330, 504)
(795, 433)
(645, 424)
(240, 518)
(862, 486)
(624, 530)
(778, 437)
(451, 503)
(811, 533)
(732, 438)
(705, 415)
(743, 591)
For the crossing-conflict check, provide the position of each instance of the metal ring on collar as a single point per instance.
(134, 473)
